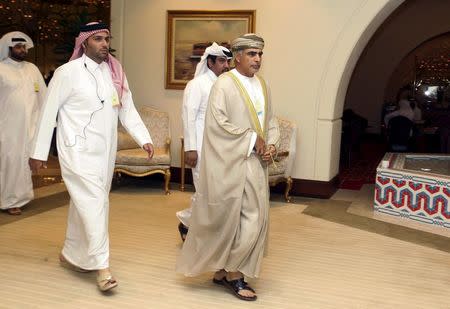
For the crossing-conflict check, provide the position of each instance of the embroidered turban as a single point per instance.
(249, 40)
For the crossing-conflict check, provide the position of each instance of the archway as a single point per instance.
(335, 80)
(397, 35)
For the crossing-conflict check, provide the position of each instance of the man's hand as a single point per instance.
(269, 153)
(149, 148)
(35, 165)
(260, 145)
(191, 157)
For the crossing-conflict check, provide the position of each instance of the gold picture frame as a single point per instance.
(190, 32)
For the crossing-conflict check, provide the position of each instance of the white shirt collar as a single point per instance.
(243, 76)
(9, 60)
(91, 64)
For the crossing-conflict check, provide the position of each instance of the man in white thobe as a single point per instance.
(88, 94)
(22, 92)
(229, 223)
(214, 62)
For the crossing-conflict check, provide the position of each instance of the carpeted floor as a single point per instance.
(322, 254)
(362, 168)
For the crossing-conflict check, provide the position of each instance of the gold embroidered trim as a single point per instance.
(266, 103)
(249, 104)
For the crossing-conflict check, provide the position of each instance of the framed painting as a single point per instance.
(190, 32)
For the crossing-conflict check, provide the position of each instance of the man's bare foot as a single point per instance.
(235, 282)
(105, 281)
(219, 276)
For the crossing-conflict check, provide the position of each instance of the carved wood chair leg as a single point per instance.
(288, 189)
(117, 178)
(167, 181)
(182, 187)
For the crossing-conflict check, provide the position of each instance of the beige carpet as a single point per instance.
(313, 262)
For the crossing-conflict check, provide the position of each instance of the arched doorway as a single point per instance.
(335, 81)
(397, 35)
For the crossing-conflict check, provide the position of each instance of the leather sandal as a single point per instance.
(66, 264)
(183, 229)
(15, 211)
(106, 282)
(238, 285)
(219, 281)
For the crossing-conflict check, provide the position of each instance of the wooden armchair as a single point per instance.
(132, 159)
(284, 162)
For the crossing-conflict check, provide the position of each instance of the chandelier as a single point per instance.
(50, 20)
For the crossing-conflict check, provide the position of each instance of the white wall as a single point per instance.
(311, 49)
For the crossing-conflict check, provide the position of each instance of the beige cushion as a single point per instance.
(280, 167)
(138, 156)
(287, 147)
(125, 141)
(142, 169)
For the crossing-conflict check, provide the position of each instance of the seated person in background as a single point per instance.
(400, 134)
(404, 109)
(417, 111)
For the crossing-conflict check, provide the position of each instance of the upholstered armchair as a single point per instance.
(132, 160)
(284, 161)
(281, 169)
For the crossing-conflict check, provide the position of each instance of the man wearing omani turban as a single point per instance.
(229, 223)
(88, 94)
(22, 93)
(195, 100)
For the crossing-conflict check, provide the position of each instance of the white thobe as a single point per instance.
(22, 92)
(195, 101)
(255, 91)
(82, 94)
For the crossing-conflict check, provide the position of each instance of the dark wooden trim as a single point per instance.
(176, 175)
(315, 188)
(300, 187)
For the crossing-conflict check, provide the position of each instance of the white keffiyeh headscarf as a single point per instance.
(11, 39)
(213, 50)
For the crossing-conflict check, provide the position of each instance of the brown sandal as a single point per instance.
(238, 285)
(15, 211)
(106, 282)
(183, 229)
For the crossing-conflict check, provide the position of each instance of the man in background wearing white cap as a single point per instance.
(214, 62)
(22, 92)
